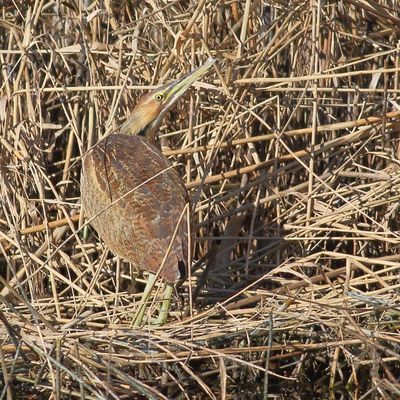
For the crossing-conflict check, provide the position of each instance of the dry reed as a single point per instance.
(290, 149)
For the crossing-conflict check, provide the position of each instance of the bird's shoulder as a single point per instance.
(121, 163)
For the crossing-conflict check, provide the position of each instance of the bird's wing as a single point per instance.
(148, 199)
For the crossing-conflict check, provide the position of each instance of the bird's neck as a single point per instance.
(133, 127)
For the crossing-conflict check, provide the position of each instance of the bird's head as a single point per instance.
(148, 114)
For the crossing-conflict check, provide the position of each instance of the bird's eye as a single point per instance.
(158, 97)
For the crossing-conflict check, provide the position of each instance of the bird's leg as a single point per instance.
(142, 307)
(165, 304)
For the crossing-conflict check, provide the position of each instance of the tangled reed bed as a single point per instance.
(290, 149)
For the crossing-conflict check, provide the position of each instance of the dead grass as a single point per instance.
(290, 149)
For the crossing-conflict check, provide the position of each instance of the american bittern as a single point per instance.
(134, 198)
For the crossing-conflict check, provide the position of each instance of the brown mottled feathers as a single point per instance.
(137, 199)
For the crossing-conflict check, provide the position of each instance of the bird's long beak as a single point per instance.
(174, 90)
(148, 114)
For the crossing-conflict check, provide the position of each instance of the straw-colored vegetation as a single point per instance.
(290, 148)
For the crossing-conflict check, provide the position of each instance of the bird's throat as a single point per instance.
(150, 131)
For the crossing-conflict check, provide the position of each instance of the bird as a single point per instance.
(134, 198)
